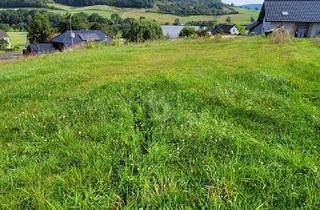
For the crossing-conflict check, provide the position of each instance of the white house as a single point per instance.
(226, 29)
(301, 18)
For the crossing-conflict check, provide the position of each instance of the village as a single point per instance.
(298, 18)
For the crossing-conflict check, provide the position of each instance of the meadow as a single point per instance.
(186, 124)
(243, 18)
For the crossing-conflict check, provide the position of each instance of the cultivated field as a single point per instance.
(188, 124)
(242, 18)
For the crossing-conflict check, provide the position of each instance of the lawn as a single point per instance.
(188, 124)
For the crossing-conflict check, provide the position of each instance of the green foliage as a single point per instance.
(229, 19)
(191, 7)
(242, 30)
(78, 21)
(22, 3)
(3, 44)
(141, 30)
(189, 124)
(39, 28)
(187, 32)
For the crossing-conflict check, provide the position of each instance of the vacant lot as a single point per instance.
(231, 124)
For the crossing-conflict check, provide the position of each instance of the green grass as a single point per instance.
(242, 18)
(188, 124)
(18, 39)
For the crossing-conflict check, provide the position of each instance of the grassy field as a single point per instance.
(18, 39)
(242, 18)
(188, 124)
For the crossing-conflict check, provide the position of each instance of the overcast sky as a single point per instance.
(242, 2)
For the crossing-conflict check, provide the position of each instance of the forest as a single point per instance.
(177, 7)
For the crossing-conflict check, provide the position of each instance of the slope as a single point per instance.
(231, 124)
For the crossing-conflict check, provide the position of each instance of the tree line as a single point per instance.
(42, 25)
(22, 3)
(177, 7)
(199, 7)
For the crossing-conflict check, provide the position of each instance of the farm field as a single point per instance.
(18, 39)
(187, 124)
(106, 11)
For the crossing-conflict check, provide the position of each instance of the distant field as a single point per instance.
(106, 11)
(18, 39)
(186, 124)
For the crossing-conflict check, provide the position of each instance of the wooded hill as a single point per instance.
(178, 7)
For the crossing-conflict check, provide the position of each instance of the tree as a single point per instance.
(78, 22)
(228, 20)
(39, 28)
(187, 32)
(3, 44)
(141, 30)
(177, 22)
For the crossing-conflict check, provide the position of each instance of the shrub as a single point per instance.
(187, 32)
(280, 36)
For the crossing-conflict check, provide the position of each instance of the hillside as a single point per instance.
(242, 18)
(252, 6)
(194, 124)
(177, 7)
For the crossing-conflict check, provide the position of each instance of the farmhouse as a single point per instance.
(4, 36)
(70, 39)
(67, 40)
(301, 18)
(226, 29)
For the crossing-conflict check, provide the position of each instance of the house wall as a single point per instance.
(234, 31)
(314, 30)
(290, 27)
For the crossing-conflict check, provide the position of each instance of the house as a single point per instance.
(70, 39)
(226, 29)
(4, 36)
(301, 18)
(34, 49)
(172, 32)
(67, 40)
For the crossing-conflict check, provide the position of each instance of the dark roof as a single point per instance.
(252, 25)
(224, 28)
(3, 34)
(291, 11)
(40, 48)
(77, 37)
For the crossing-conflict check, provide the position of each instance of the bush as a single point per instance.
(3, 44)
(187, 32)
(280, 36)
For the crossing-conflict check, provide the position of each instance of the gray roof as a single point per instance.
(173, 32)
(291, 10)
(41, 48)
(77, 37)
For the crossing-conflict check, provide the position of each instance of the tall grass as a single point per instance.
(195, 124)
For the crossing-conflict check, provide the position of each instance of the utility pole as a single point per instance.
(71, 33)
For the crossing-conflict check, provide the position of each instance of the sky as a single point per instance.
(242, 2)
